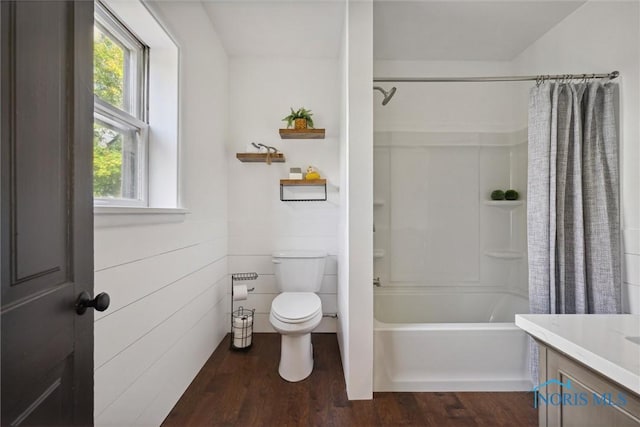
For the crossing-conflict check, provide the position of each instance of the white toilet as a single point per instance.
(297, 310)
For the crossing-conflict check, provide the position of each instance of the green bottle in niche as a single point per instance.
(511, 195)
(497, 195)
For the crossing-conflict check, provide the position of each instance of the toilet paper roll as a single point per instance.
(240, 292)
(242, 342)
(241, 323)
(242, 331)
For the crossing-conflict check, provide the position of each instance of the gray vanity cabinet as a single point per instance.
(572, 394)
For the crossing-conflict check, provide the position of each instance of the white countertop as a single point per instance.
(596, 340)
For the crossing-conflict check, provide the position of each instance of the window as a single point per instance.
(120, 129)
(136, 132)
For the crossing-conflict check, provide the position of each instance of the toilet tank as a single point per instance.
(299, 271)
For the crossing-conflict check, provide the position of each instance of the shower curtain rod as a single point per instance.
(539, 78)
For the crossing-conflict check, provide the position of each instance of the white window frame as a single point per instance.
(136, 95)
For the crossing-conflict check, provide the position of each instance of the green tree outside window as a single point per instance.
(108, 84)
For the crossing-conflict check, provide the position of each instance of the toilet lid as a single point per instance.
(296, 307)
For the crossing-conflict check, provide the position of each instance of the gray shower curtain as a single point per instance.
(573, 224)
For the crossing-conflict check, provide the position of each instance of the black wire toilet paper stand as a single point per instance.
(241, 319)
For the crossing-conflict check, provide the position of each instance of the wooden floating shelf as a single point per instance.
(302, 182)
(302, 133)
(260, 157)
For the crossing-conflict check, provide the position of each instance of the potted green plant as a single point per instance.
(301, 118)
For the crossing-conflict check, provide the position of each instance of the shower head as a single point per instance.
(387, 95)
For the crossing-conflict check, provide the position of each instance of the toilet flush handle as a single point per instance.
(275, 261)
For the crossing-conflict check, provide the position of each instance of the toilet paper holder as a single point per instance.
(242, 319)
(242, 328)
(244, 276)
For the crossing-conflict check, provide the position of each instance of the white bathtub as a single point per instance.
(442, 340)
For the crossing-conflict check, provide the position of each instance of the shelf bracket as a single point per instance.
(303, 183)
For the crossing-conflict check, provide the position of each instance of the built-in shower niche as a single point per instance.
(434, 222)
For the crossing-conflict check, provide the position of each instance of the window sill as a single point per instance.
(118, 216)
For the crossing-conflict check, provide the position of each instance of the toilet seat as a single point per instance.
(296, 307)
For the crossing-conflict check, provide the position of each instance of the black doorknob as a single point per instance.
(100, 302)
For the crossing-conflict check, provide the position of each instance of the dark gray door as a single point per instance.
(46, 205)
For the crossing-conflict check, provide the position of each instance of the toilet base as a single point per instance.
(296, 357)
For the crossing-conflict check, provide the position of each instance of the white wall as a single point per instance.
(434, 226)
(439, 151)
(168, 281)
(262, 90)
(447, 107)
(356, 242)
(342, 327)
(603, 37)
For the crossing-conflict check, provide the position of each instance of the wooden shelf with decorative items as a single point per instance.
(260, 157)
(302, 123)
(302, 133)
(303, 183)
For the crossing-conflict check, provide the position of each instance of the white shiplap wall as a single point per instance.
(168, 282)
(261, 92)
(160, 303)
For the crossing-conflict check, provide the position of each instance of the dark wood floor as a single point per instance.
(244, 389)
